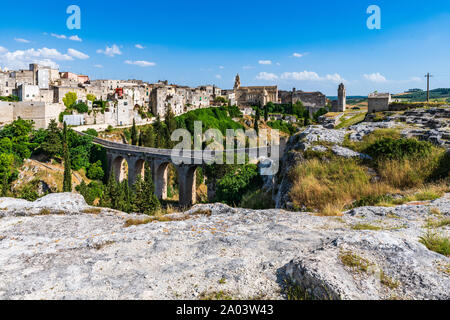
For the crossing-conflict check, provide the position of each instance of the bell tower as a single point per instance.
(237, 82)
(342, 98)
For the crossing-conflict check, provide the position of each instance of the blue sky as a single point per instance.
(309, 45)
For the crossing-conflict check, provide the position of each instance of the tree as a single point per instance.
(134, 134)
(95, 171)
(148, 137)
(170, 121)
(307, 118)
(67, 182)
(232, 187)
(70, 99)
(81, 107)
(91, 97)
(258, 114)
(266, 112)
(111, 192)
(52, 145)
(159, 129)
(145, 200)
(298, 109)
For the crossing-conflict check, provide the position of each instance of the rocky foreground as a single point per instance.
(60, 248)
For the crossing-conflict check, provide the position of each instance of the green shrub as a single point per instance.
(436, 243)
(257, 200)
(91, 132)
(389, 148)
(282, 126)
(91, 192)
(95, 171)
(81, 107)
(231, 188)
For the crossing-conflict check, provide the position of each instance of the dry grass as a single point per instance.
(165, 218)
(92, 211)
(329, 187)
(408, 173)
(436, 243)
(388, 282)
(355, 262)
(366, 226)
(438, 223)
(217, 295)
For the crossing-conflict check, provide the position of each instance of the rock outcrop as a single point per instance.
(60, 248)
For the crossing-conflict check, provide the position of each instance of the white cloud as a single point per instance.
(77, 54)
(335, 78)
(98, 66)
(221, 67)
(59, 36)
(297, 55)
(75, 38)
(300, 76)
(110, 51)
(375, 77)
(141, 63)
(265, 62)
(139, 46)
(62, 36)
(311, 76)
(20, 59)
(248, 67)
(266, 76)
(218, 76)
(21, 40)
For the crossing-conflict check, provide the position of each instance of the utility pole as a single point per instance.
(428, 76)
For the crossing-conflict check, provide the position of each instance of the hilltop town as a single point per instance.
(39, 94)
(358, 210)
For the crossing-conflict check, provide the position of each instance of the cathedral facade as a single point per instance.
(254, 96)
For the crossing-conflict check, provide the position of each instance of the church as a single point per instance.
(254, 96)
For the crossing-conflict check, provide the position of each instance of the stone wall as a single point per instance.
(6, 112)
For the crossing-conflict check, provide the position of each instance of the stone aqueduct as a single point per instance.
(159, 161)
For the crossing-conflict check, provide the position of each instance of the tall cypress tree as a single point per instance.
(134, 134)
(52, 144)
(145, 200)
(67, 182)
(266, 112)
(169, 120)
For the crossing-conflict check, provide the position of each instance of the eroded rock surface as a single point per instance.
(90, 254)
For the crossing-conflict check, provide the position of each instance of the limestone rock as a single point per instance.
(243, 253)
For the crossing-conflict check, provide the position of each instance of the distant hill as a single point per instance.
(349, 97)
(418, 95)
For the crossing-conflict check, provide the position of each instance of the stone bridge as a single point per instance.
(159, 160)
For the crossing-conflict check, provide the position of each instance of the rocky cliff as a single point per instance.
(60, 248)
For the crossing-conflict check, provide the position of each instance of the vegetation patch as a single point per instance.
(355, 262)
(331, 186)
(352, 121)
(388, 282)
(366, 226)
(44, 212)
(438, 223)
(92, 211)
(216, 295)
(436, 243)
(164, 218)
(257, 200)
